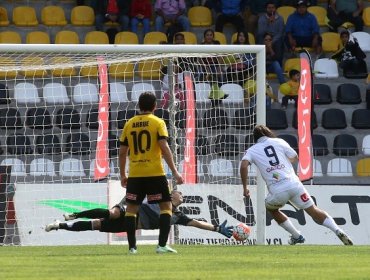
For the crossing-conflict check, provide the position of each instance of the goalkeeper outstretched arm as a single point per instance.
(223, 229)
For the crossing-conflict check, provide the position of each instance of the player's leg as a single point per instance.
(97, 213)
(303, 200)
(75, 226)
(135, 193)
(159, 192)
(273, 203)
(324, 219)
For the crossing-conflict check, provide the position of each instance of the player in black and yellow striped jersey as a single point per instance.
(144, 140)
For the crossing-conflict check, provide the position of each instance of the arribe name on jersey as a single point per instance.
(140, 124)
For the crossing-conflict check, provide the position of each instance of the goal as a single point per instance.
(62, 109)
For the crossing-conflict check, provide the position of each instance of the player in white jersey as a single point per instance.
(273, 157)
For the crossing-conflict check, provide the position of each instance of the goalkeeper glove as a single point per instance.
(225, 230)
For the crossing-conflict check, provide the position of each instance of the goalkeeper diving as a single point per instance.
(113, 220)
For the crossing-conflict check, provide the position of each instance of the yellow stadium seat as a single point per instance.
(150, 69)
(25, 16)
(200, 16)
(7, 74)
(4, 20)
(363, 167)
(82, 16)
(292, 63)
(126, 37)
(10, 37)
(251, 39)
(155, 38)
(122, 70)
(366, 16)
(285, 12)
(53, 16)
(220, 37)
(33, 61)
(64, 69)
(320, 13)
(67, 37)
(190, 38)
(37, 37)
(330, 41)
(96, 37)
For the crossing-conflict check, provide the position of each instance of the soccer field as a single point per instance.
(192, 262)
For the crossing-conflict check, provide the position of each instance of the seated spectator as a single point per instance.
(290, 89)
(178, 89)
(179, 39)
(256, 9)
(173, 12)
(209, 38)
(113, 11)
(141, 12)
(350, 57)
(341, 11)
(272, 23)
(211, 64)
(244, 65)
(302, 30)
(272, 64)
(229, 12)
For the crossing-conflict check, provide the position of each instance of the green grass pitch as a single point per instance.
(191, 262)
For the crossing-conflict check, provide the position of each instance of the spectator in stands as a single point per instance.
(244, 65)
(173, 12)
(209, 38)
(141, 12)
(178, 89)
(341, 11)
(272, 23)
(179, 39)
(229, 11)
(290, 89)
(256, 9)
(111, 10)
(272, 63)
(211, 64)
(350, 57)
(302, 30)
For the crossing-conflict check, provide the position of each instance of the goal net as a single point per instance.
(62, 109)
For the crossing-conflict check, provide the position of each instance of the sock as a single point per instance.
(289, 227)
(93, 214)
(330, 224)
(164, 228)
(130, 222)
(77, 226)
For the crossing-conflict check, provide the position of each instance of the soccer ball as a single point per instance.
(241, 232)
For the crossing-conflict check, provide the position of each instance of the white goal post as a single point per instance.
(60, 144)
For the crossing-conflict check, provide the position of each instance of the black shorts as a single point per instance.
(155, 188)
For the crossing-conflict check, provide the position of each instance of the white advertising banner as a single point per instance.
(348, 205)
(39, 204)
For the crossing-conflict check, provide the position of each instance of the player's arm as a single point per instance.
(167, 155)
(244, 176)
(123, 150)
(223, 228)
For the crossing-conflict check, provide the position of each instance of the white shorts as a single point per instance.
(297, 195)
